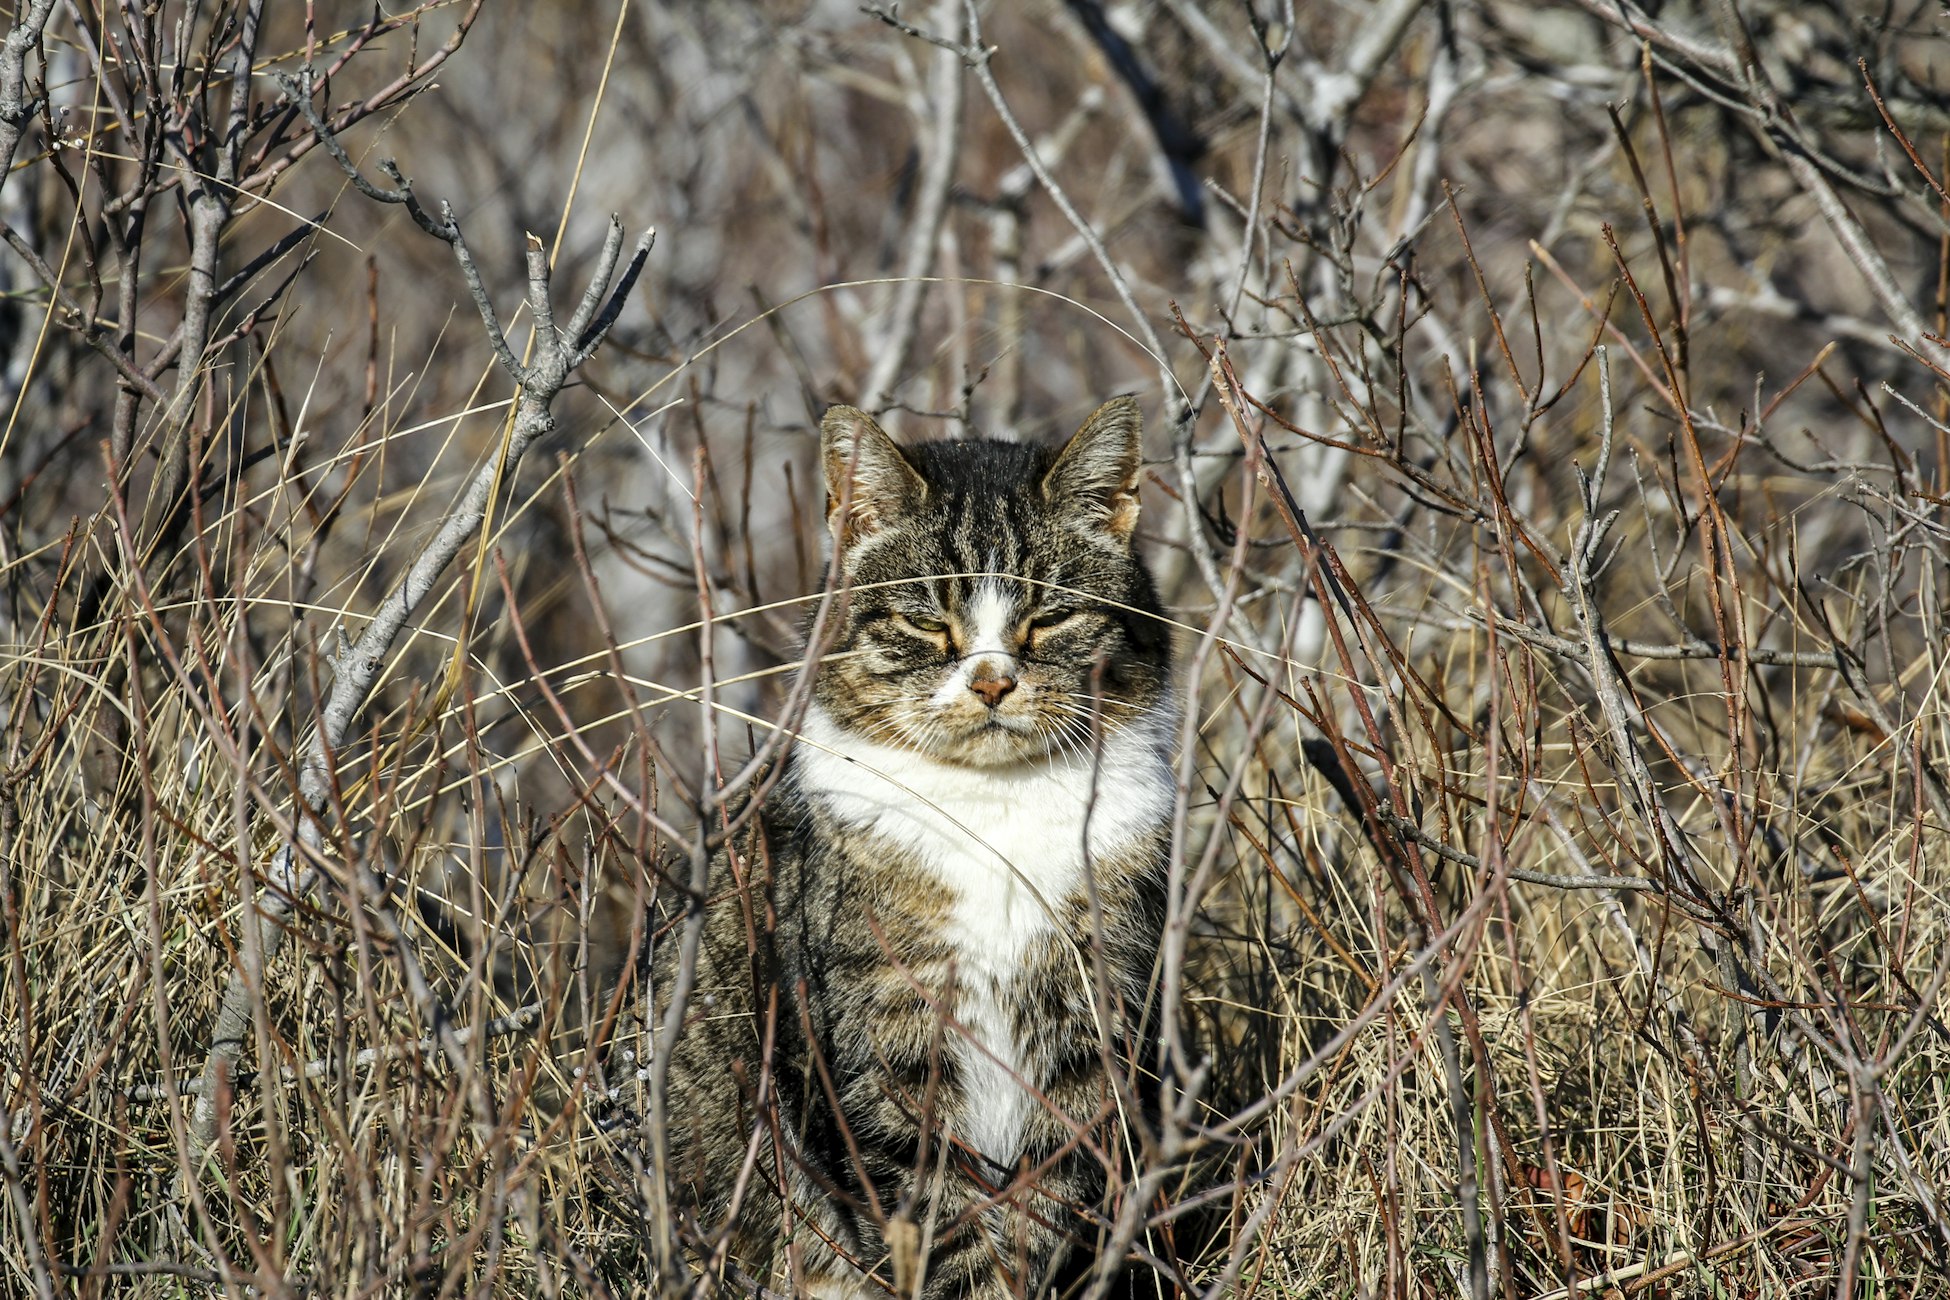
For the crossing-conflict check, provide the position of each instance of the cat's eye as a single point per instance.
(921, 623)
(1050, 618)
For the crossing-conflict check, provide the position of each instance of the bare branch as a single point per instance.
(942, 126)
(978, 57)
(358, 668)
(18, 101)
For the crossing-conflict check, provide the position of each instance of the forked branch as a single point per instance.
(556, 356)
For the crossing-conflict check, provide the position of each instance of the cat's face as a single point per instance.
(988, 581)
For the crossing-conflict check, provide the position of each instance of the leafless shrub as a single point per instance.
(1551, 439)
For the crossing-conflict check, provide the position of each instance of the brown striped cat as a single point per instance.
(946, 916)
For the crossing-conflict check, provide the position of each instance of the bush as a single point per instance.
(1551, 485)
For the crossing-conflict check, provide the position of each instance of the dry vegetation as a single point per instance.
(1551, 427)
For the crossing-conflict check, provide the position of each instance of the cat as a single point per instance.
(946, 914)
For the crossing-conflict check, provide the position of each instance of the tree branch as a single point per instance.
(357, 669)
(17, 104)
(938, 160)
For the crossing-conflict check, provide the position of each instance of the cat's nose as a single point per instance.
(992, 689)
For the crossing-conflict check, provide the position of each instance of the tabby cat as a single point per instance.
(947, 912)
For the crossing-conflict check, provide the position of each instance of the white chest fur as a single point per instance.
(1009, 843)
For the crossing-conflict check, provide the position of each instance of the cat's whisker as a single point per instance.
(1088, 750)
(1056, 738)
(884, 728)
(1111, 726)
(1073, 737)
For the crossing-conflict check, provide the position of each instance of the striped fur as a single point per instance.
(910, 922)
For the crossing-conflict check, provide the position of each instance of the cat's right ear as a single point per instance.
(868, 480)
(1095, 477)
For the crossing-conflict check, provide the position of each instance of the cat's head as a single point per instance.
(987, 581)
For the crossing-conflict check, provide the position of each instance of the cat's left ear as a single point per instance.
(1096, 474)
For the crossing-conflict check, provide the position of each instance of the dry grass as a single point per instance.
(1556, 526)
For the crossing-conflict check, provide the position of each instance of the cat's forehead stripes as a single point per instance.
(988, 533)
(989, 620)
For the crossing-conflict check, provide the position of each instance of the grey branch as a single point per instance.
(209, 199)
(295, 869)
(1747, 82)
(1335, 89)
(90, 331)
(17, 103)
(942, 150)
(978, 58)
